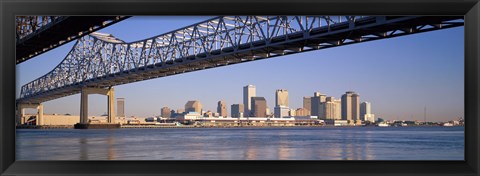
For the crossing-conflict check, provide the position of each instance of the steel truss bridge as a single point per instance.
(38, 34)
(103, 61)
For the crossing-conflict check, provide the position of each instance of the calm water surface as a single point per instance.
(305, 143)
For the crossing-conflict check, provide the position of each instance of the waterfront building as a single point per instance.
(121, 107)
(316, 101)
(292, 113)
(190, 116)
(302, 112)
(222, 108)
(180, 111)
(193, 106)
(165, 112)
(351, 106)
(259, 106)
(268, 112)
(281, 111)
(366, 112)
(249, 91)
(307, 104)
(208, 114)
(237, 110)
(281, 97)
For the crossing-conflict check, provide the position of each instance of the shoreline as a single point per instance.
(193, 126)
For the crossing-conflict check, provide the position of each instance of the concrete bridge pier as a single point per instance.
(21, 119)
(110, 92)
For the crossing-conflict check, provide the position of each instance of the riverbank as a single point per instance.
(198, 126)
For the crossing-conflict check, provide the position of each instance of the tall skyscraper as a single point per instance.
(316, 101)
(193, 106)
(366, 112)
(281, 103)
(307, 105)
(259, 107)
(281, 97)
(222, 108)
(237, 110)
(166, 112)
(249, 91)
(121, 107)
(350, 106)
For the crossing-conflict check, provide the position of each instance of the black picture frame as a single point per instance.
(469, 8)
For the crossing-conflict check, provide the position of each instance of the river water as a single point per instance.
(292, 143)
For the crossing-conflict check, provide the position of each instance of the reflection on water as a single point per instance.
(364, 143)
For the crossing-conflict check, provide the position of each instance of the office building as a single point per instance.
(316, 101)
(259, 107)
(193, 106)
(249, 91)
(332, 109)
(281, 104)
(268, 112)
(292, 113)
(302, 112)
(222, 108)
(365, 108)
(307, 104)
(166, 112)
(350, 106)
(366, 112)
(281, 97)
(281, 111)
(180, 111)
(237, 110)
(121, 107)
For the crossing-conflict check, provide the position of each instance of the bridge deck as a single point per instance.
(57, 32)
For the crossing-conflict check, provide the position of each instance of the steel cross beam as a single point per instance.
(38, 34)
(101, 60)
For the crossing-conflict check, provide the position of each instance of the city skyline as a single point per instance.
(392, 69)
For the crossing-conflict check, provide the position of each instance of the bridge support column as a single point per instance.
(84, 103)
(84, 106)
(20, 113)
(111, 105)
(21, 119)
(40, 114)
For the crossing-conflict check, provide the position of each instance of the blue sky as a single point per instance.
(399, 76)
